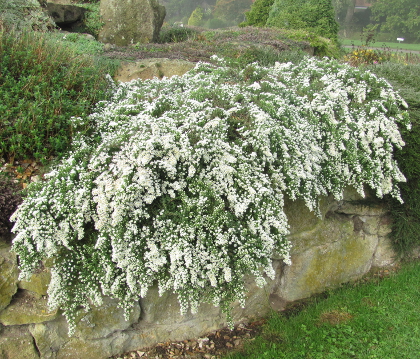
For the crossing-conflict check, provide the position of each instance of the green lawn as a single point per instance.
(392, 45)
(379, 319)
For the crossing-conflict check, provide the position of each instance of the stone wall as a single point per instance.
(341, 246)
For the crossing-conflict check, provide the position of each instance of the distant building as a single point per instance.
(362, 5)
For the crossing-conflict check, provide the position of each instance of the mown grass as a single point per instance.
(390, 45)
(377, 319)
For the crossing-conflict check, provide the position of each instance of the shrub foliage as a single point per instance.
(316, 16)
(406, 224)
(23, 15)
(258, 14)
(43, 83)
(182, 184)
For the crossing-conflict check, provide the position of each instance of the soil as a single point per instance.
(211, 346)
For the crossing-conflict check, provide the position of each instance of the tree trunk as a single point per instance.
(349, 18)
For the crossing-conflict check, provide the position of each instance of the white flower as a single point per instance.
(185, 187)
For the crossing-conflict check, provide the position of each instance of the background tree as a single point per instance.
(196, 17)
(258, 15)
(317, 16)
(179, 10)
(344, 12)
(399, 18)
(231, 11)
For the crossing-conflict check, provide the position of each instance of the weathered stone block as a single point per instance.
(385, 254)
(385, 226)
(370, 224)
(16, 343)
(331, 254)
(8, 274)
(350, 208)
(102, 321)
(131, 21)
(26, 308)
(150, 68)
(94, 332)
(38, 282)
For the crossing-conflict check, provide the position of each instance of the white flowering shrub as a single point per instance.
(182, 183)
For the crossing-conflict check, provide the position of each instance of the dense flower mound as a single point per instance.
(182, 183)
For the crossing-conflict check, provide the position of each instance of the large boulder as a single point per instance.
(131, 21)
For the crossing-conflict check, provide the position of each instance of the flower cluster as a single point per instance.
(182, 184)
(363, 55)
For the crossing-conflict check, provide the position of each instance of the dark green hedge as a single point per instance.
(406, 216)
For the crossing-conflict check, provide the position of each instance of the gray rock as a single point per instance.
(8, 274)
(26, 308)
(150, 68)
(131, 21)
(326, 256)
(38, 282)
(95, 331)
(385, 254)
(16, 343)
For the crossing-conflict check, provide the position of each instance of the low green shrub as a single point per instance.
(263, 56)
(23, 15)
(92, 22)
(322, 46)
(314, 16)
(176, 34)
(258, 14)
(181, 185)
(80, 44)
(43, 83)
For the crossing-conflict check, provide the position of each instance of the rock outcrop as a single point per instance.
(131, 21)
(65, 14)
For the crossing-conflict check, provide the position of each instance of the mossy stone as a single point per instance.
(150, 68)
(128, 22)
(17, 343)
(38, 282)
(26, 308)
(99, 333)
(8, 275)
(100, 321)
(329, 255)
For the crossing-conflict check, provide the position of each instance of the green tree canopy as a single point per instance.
(401, 18)
(196, 17)
(317, 16)
(232, 11)
(258, 14)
